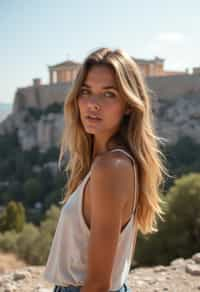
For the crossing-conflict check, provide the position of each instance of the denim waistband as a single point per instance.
(72, 288)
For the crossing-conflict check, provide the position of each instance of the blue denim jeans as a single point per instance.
(71, 288)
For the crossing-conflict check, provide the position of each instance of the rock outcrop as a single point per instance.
(175, 99)
(43, 133)
(182, 275)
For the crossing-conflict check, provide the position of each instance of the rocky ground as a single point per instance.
(9, 262)
(182, 275)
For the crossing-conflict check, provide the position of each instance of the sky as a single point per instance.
(37, 33)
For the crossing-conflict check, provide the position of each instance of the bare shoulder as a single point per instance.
(112, 162)
(112, 173)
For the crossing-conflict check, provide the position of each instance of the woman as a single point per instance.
(115, 173)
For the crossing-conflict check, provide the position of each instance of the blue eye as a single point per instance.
(109, 94)
(83, 92)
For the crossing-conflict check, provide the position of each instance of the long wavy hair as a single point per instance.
(136, 132)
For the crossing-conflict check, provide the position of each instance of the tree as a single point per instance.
(179, 235)
(32, 190)
(13, 217)
(184, 215)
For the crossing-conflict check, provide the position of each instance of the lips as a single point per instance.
(93, 116)
(93, 119)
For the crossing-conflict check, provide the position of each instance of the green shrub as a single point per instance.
(47, 231)
(179, 235)
(9, 143)
(35, 113)
(51, 154)
(8, 241)
(13, 217)
(54, 108)
(33, 190)
(26, 241)
(184, 216)
(33, 244)
(40, 249)
(50, 220)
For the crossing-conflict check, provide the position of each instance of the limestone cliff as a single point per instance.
(176, 104)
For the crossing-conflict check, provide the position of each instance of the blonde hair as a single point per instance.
(136, 132)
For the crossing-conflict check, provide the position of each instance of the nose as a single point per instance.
(94, 102)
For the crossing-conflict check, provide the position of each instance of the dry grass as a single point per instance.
(10, 262)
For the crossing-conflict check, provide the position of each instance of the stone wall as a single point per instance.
(39, 97)
(169, 87)
(175, 99)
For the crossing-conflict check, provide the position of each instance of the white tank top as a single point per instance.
(67, 259)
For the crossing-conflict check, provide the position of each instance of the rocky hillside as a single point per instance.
(176, 104)
(182, 275)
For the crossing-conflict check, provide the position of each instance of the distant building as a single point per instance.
(155, 67)
(66, 71)
(150, 67)
(63, 72)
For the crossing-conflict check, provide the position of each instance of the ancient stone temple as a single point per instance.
(63, 72)
(155, 67)
(66, 71)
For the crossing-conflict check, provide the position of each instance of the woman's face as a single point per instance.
(99, 97)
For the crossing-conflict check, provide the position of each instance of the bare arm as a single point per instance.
(110, 184)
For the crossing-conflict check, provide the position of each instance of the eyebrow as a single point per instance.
(105, 87)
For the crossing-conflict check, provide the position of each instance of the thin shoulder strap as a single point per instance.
(119, 149)
(135, 178)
